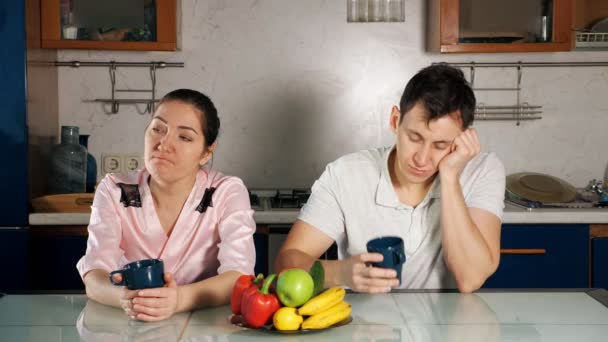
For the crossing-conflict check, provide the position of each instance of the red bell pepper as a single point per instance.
(259, 306)
(253, 288)
(241, 284)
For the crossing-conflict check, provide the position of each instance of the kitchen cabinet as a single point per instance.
(590, 26)
(14, 255)
(54, 252)
(600, 262)
(543, 256)
(260, 240)
(13, 141)
(13, 127)
(109, 24)
(472, 26)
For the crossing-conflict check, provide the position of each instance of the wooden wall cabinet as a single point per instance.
(588, 12)
(53, 30)
(445, 36)
(589, 25)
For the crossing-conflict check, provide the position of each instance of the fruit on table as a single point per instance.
(254, 287)
(322, 302)
(294, 287)
(287, 318)
(241, 284)
(259, 306)
(328, 317)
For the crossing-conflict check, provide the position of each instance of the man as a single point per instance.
(433, 188)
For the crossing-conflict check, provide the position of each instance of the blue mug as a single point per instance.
(393, 251)
(141, 274)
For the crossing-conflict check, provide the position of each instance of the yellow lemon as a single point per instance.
(286, 318)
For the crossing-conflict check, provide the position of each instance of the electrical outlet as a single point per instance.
(132, 162)
(111, 163)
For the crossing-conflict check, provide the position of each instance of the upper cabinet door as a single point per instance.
(500, 25)
(591, 24)
(109, 24)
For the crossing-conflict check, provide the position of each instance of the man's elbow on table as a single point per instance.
(468, 286)
(474, 281)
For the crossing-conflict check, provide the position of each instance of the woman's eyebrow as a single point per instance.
(179, 127)
(188, 128)
(160, 118)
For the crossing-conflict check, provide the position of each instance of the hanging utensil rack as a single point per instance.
(112, 66)
(521, 110)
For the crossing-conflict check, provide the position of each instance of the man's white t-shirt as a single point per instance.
(354, 201)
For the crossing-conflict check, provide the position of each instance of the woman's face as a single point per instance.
(174, 142)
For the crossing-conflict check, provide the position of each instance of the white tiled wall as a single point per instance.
(296, 87)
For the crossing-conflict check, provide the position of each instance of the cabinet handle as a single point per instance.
(524, 251)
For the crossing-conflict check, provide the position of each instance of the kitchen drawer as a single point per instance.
(543, 256)
(600, 262)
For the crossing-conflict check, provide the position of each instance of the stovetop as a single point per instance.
(278, 199)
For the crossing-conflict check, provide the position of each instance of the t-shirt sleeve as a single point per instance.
(103, 245)
(236, 229)
(488, 188)
(323, 210)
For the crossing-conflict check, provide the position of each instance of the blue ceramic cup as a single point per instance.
(141, 274)
(392, 249)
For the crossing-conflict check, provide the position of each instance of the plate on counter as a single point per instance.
(601, 26)
(238, 320)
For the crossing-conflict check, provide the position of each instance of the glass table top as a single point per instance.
(398, 316)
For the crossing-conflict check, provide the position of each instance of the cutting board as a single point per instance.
(63, 203)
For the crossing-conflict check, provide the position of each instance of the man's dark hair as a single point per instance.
(210, 120)
(442, 90)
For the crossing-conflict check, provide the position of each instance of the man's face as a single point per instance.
(421, 145)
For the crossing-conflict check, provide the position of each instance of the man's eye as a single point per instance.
(414, 138)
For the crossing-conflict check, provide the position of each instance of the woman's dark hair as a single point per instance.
(210, 120)
(442, 90)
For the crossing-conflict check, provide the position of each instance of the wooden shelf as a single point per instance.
(444, 32)
(166, 31)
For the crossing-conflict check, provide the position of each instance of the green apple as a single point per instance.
(294, 287)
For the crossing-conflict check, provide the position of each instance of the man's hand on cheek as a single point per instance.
(464, 148)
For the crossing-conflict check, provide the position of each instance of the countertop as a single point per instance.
(512, 214)
(490, 316)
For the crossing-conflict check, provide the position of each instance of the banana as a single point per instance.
(322, 302)
(328, 317)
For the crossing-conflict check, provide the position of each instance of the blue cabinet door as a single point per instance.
(13, 259)
(260, 240)
(53, 262)
(563, 264)
(13, 129)
(600, 262)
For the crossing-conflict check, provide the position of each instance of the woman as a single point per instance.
(197, 220)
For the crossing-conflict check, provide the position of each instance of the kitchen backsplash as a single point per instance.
(297, 86)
